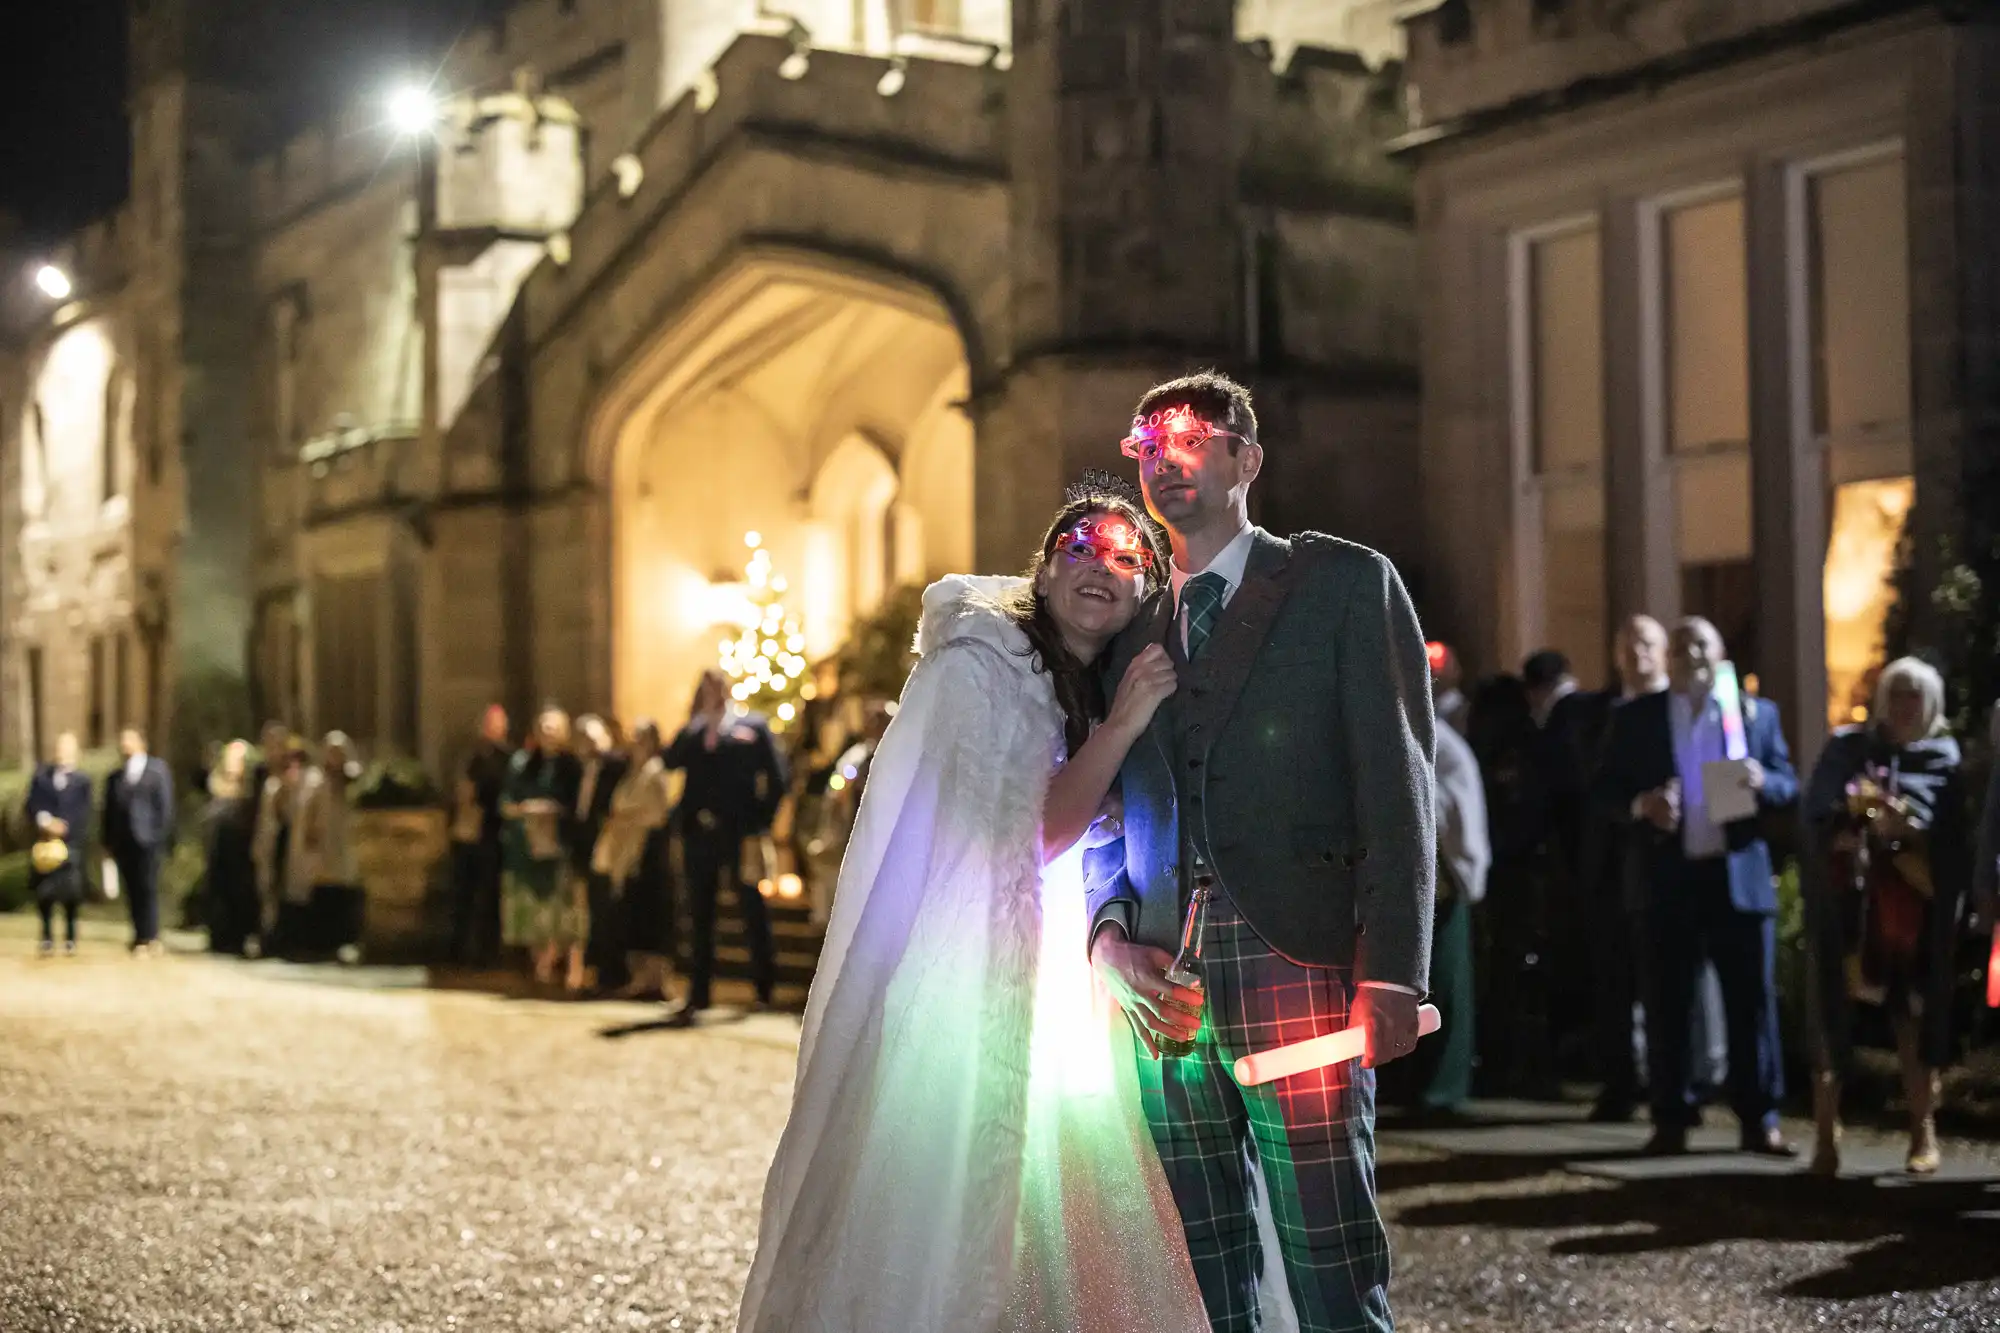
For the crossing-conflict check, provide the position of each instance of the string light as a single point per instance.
(763, 661)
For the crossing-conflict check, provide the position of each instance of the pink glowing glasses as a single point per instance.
(1176, 428)
(1110, 540)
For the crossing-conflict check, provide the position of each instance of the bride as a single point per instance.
(966, 1152)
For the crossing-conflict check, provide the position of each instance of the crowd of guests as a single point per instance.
(1601, 912)
(583, 849)
(573, 848)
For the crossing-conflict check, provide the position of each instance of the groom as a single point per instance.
(1291, 774)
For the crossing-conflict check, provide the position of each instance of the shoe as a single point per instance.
(1924, 1158)
(46, 949)
(1667, 1143)
(1768, 1143)
(683, 1017)
(69, 948)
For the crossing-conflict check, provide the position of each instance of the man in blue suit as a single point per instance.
(1709, 889)
(138, 832)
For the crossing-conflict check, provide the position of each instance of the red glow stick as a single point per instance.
(1993, 972)
(1320, 1052)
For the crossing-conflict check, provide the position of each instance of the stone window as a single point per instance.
(33, 702)
(108, 438)
(1704, 342)
(345, 640)
(1560, 420)
(94, 699)
(121, 679)
(1857, 266)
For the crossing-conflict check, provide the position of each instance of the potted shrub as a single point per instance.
(398, 832)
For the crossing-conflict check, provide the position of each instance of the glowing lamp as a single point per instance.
(786, 712)
(1320, 1052)
(53, 282)
(412, 110)
(791, 886)
(767, 888)
(836, 783)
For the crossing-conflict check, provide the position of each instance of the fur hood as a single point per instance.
(968, 606)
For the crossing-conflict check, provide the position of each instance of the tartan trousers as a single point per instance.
(1313, 1134)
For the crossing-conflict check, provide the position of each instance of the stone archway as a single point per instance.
(805, 401)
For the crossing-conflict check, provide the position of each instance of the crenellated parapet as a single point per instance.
(1472, 56)
(911, 114)
(1317, 132)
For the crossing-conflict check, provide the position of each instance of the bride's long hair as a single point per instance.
(1079, 685)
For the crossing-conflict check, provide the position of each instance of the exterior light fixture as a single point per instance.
(53, 282)
(412, 110)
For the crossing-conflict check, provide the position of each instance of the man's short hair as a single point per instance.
(1544, 669)
(1220, 400)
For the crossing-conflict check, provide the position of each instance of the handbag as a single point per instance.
(49, 855)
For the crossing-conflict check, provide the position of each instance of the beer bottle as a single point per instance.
(1186, 969)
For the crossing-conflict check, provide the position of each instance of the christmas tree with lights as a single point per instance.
(766, 662)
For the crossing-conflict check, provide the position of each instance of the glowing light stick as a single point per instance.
(1993, 972)
(1320, 1052)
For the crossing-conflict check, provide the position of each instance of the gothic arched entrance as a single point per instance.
(813, 405)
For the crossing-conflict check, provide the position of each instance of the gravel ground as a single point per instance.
(188, 1145)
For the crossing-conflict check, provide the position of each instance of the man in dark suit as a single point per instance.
(600, 770)
(1709, 889)
(138, 832)
(1289, 776)
(735, 779)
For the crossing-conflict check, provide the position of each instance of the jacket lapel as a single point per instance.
(1240, 631)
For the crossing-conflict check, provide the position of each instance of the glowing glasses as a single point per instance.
(1109, 540)
(1175, 428)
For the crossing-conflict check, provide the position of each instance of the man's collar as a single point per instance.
(1229, 562)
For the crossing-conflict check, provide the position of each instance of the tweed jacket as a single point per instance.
(1293, 768)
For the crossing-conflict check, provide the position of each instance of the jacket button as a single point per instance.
(1194, 763)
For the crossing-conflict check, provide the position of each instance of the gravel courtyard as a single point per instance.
(198, 1145)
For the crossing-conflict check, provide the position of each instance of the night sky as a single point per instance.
(63, 146)
(62, 114)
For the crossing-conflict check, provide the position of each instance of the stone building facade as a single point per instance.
(403, 423)
(1712, 318)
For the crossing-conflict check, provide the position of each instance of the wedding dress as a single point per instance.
(966, 1151)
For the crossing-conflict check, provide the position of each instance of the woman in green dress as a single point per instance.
(543, 906)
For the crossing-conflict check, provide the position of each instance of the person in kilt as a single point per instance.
(1290, 774)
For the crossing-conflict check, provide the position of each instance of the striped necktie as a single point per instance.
(1201, 607)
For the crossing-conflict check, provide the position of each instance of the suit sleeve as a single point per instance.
(772, 760)
(1781, 780)
(1390, 744)
(1614, 788)
(169, 831)
(1107, 891)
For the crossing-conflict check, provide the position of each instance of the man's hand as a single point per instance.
(1390, 1016)
(1661, 807)
(1754, 772)
(1136, 976)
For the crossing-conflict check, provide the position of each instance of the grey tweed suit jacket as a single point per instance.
(1294, 763)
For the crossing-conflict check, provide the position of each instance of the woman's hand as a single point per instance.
(1148, 682)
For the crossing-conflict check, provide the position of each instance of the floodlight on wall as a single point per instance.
(412, 110)
(53, 283)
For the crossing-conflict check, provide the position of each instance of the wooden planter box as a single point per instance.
(398, 853)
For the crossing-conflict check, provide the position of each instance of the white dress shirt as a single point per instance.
(1698, 739)
(1229, 565)
(135, 768)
